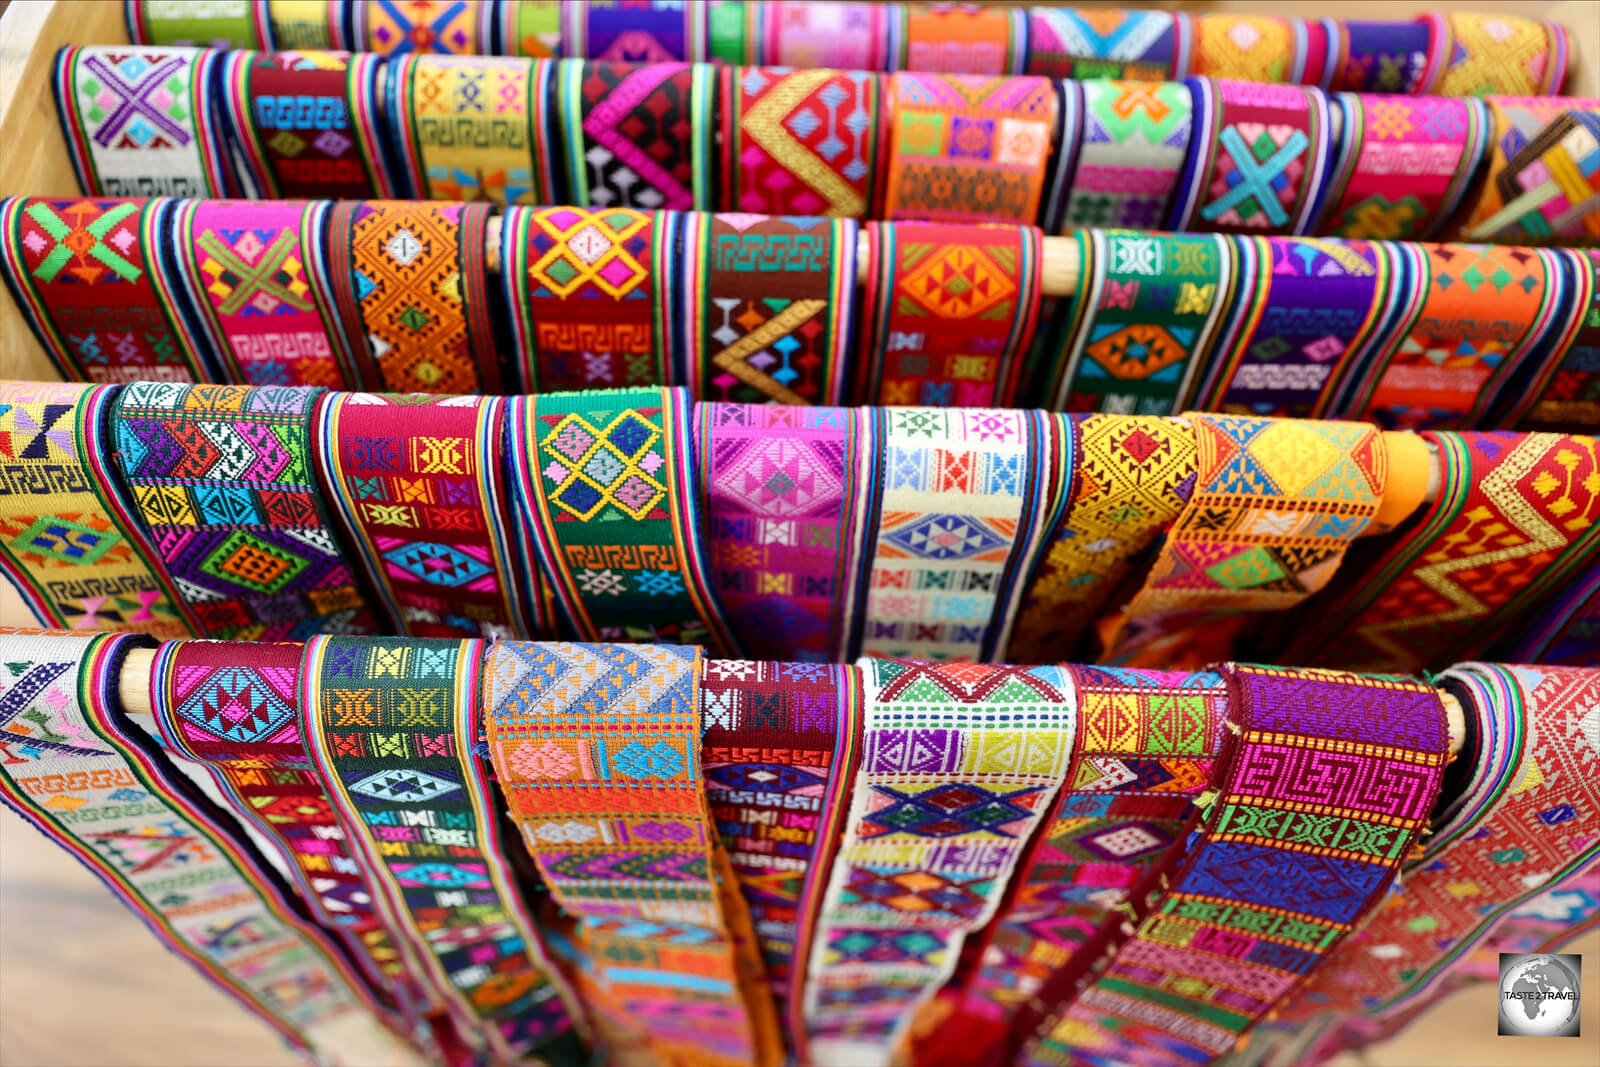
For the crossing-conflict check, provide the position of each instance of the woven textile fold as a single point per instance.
(221, 477)
(459, 27)
(1381, 57)
(1132, 139)
(1566, 632)
(790, 495)
(960, 762)
(1565, 392)
(142, 121)
(392, 727)
(410, 285)
(418, 486)
(1109, 43)
(1514, 517)
(1542, 172)
(312, 24)
(1259, 48)
(638, 135)
(607, 509)
(960, 38)
(1501, 55)
(88, 277)
(828, 34)
(597, 749)
(768, 308)
(91, 782)
(474, 127)
(529, 28)
(70, 540)
(1287, 861)
(782, 742)
(226, 23)
(654, 31)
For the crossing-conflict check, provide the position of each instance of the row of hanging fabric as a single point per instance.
(402, 850)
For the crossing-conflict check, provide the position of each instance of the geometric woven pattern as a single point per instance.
(1140, 46)
(1135, 136)
(1500, 55)
(962, 39)
(637, 136)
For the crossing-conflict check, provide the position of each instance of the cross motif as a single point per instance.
(134, 100)
(1255, 179)
(261, 278)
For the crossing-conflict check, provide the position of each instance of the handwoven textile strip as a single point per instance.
(1287, 861)
(960, 763)
(1256, 48)
(1260, 160)
(311, 24)
(1109, 43)
(637, 135)
(246, 270)
(1515, 516)
(70, 541)
(734, 33)
(141, 121)
(304, 124)
(86, 275)
(234, 709)
(1305, 311)
(1133, 141)
(474, 127)
(827, 34)
(597, 750)
(1405, 163)
(1381, 57)
(1566, 631)
(782, 743)
(1276, 503)
(1145, 746)
(530, 28)
(410, 283)
(654, 31)
(1542, 175)
(417, 482)
(800, 142)
(607, 506)
(221, 477)
(1503, 55)
(224, 23)
(968, 148)
(950, 310)
(768, 305)
(1142, 321)
(1472, 313)
(1540, 826)
(81, 774)
(1565, 395)
(790, 495)
(399, 27)
(392, 726)
(968, 497)
(587, 289)
(961, 39)
(1131, 476)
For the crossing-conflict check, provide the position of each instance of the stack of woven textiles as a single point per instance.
(739, 862)
(1455, 53)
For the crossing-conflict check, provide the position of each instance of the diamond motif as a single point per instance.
(406, 786)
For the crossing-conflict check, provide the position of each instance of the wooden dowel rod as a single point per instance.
(134, 687)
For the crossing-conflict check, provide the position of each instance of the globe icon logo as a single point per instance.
(1538, 995)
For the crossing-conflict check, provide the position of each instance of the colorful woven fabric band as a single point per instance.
(587, 289)
(92, 783)
(638, 136)
(1566, 632)
(1287, 861)
(249, 271)
(1255, 48)
(782, 742)
(221, 477)
(1502, 55)
(949, 311)
(968, 498)
(768, 307)
(410, 284)
(1131, 475)
(800, 142)
(304, 124)
(1513, 518)
(1140, 325)
(313, 24)
(1380, 57)
(965, 148)
(236, 23)
(86, 275)
(1542, 176)
(459, 27)
(606, 504)
(391, 724)
(1262, 152)
(70, 542)
(529, 28)
(417, 484)
(1132, 139)
(790, 495)
(1304, 312)
(1229, 552)
(827, 34)
(597, 750)
(655, 31)
(1108, 43)
(139, 121)
(454, 147)
(961, 38)
(1565, 394)
(960, 763)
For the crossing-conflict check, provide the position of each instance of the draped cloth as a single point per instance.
(1498, 55)
(1564, 394)
(597, 749)
(1132, 138)
(1542, 174)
